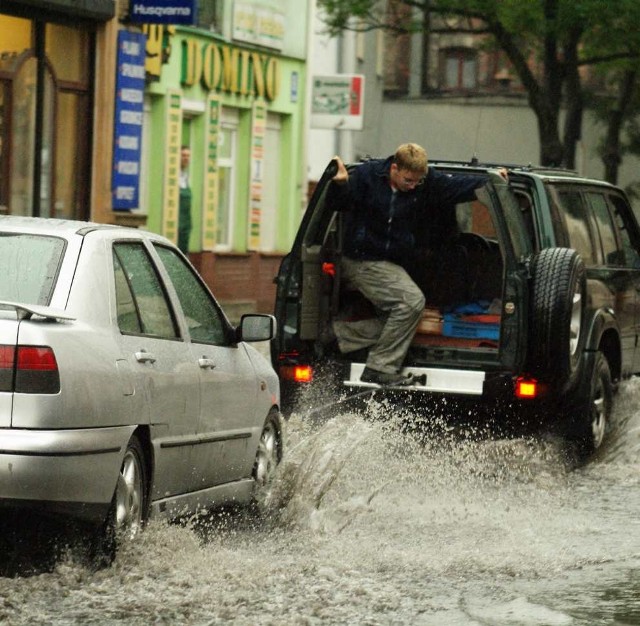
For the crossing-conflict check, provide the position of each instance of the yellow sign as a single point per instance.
(224, 68)
(171, 194)
(158, 47)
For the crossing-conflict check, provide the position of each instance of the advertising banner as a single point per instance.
(162, 11)
(171, 195)
(127, 141)
(210, 200)
(337, 102)
(258, 131)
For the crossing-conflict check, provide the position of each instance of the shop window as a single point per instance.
(44, 113)
(459, 68)
(16, 36)
(270, 184)
(227, 149)
(4, 146)
(71, 185)
(66, 49)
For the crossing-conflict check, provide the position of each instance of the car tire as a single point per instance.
(557, 332)
(590, 415)
(268, 457)
(129, 508)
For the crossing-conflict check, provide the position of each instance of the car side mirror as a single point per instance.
(256, 327)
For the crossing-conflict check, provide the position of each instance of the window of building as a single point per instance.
(210, 15)
(227, 150)
(270, 184)
(44, 114)
(459, 68)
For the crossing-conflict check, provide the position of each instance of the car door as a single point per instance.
(161, 362)
(618, 276)
(629, 240)
(228, 421)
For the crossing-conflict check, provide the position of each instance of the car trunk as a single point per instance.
(471, 272)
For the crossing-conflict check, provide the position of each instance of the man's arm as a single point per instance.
(338, 195)
(455, 188)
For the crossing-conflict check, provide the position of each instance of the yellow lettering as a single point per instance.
(230, 69)
(191, 62)
(153, 49)
(258, 74)
(272, 79)
(212, 67)
(244, 72)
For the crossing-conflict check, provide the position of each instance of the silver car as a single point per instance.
(125, 392)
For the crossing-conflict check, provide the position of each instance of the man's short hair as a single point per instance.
(412, 157)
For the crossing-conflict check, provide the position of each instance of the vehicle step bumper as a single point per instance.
(432, 380)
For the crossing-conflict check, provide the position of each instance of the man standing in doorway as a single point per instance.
(184, 214)
(384, 201)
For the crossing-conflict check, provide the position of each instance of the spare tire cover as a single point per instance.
(557, 316)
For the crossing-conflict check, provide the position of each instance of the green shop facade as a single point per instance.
(240, 111)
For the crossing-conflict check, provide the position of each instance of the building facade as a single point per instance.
(230, 89)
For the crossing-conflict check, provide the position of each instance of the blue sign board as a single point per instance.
(163, 11)
(129, 113)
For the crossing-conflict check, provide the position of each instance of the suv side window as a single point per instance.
(606, 229)
(626, 228)
(576, 231)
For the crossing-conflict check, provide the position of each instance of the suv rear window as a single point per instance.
(30, 266)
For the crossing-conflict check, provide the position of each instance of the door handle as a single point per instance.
(206, 364)
(142, 356)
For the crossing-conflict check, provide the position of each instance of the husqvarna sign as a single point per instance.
(163, 11)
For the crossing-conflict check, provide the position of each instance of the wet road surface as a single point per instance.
(369, 526)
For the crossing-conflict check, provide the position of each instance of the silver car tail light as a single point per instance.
(36, 370)
(7, 360)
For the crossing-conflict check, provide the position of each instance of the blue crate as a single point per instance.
(454, 326)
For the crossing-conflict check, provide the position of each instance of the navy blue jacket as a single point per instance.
(376, 229)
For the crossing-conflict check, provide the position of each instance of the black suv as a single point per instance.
(532, 291)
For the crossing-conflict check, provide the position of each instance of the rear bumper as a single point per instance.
(67, 471)
(435, 380)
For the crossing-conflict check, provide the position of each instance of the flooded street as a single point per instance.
(369, 526)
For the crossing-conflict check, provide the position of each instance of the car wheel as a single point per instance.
(557, 332)
(590, 420)
(268, 456)
(129, 507)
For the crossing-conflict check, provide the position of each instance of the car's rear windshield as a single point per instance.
(30, 266)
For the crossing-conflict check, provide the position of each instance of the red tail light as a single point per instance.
(29, 369)
(297, 373)
(526, 388)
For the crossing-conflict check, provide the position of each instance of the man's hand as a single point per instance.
(342, 176)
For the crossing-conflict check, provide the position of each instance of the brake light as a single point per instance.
(297, 373)
(329, 269)
(36, 370)
(526, 388)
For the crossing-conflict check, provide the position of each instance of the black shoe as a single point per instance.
(382, 378)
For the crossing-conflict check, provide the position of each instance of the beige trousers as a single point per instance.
(399, 303)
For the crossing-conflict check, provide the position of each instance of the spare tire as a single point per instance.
(557, 316)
